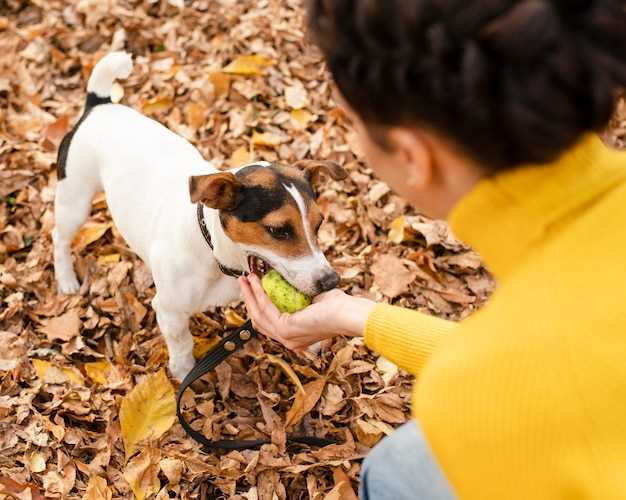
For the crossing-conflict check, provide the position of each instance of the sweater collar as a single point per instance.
(504, 215)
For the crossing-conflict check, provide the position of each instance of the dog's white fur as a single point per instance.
(144, 169)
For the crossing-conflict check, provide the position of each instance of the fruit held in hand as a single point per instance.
(285, 297)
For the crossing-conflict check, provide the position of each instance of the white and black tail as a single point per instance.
(113, 66)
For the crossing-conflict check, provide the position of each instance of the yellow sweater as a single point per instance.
(526, 399)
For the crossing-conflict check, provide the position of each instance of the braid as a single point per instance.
(512, 82)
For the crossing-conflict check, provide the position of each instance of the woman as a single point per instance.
(483, 112)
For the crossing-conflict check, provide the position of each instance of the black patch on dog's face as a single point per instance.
(258, 199)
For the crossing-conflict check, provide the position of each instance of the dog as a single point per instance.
(195, 227)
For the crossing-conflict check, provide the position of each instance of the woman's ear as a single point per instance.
(219, 191)
(313, 169)
(415, 152)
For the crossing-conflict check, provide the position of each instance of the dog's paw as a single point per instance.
(181, 368)
(68, 285)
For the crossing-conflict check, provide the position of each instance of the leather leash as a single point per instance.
(231, 343)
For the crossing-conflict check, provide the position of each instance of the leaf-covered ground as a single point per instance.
(85, 409)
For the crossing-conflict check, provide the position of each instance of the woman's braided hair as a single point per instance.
(512, 82)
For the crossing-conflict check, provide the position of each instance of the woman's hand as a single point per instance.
(332, 313)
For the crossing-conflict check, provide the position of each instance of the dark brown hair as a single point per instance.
(512, 82)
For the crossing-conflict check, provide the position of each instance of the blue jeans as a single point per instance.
(402, 467)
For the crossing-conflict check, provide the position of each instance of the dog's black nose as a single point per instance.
(327, 282)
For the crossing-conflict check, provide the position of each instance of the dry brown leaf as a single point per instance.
(173, 469)
(90, 232)
(54, 132)
(367, 434)
(148, 411)
(37, 462)
(287, 370)
(97, 489)
(305, 401)
(19, 490)
(64, 327)
(393, 275)
(333, 400)
(142, 473)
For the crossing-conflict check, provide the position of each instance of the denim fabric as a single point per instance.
(402, 467)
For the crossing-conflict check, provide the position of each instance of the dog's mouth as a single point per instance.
(258, 266)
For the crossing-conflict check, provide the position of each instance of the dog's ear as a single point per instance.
(313, 169)
(220, 191)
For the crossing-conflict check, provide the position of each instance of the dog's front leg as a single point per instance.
(174, 326)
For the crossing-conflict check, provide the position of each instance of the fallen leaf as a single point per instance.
(157, 104)
(97, 489)
(142, 473)
(343, 487)
(387, 368)
(51, 374)
(195, 114)
(233, 319)
(173, 469)
(148, 411)
(301, 118)
(392, 275)
(64, 327)
(296, 96)
(202, 345)
(367, 434)
(305, 401)
(37, 462)
(396, 230)
(221, 83)
(284, 366)
(266, 139)
(248, 65)
(241, 156)
(54, 132)
(19, 490)
(112, 258)
(90, 232)
(333, 400)
(98, 371)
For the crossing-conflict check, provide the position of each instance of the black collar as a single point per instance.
(228, 271)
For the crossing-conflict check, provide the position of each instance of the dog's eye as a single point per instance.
(280, 233)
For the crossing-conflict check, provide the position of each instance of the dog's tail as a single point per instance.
(108, 69)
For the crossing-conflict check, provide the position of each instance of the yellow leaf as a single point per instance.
(98, 371)
(142, 473)
(366, 433)
(248, 65)
(51, 374)
(221, 83)
(112, 258)
(195, 114)
(157, 104)
(147, 411)
(97, 489)
(240, 157)
(301, 118)
(232, 318)
(266, 139)
(287, 369)
(37, 462)
(89, 233)
(396, 232)
(305, 401)
(201, 345)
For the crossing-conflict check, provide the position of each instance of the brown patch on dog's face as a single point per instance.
(268, 216)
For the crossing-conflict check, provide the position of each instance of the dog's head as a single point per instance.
(270, 212)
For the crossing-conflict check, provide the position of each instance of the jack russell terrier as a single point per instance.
(195, 227)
